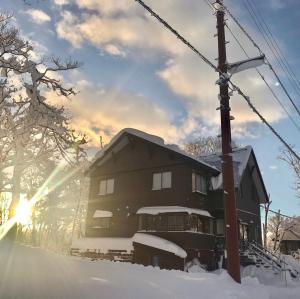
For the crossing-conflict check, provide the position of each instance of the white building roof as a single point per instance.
(103, 245)
(172, 209)
(159, 243)
(102, 214)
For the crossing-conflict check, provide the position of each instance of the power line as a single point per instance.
(265, 81)
(261, 52)
(225, 77)
(295, 218)
(274, 43)
(270, 44)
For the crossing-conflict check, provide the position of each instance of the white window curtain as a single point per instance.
(156, 181)
(110, 186)
(102, 189)
(199, 183)
(166, 179)
(106, 187)
(162, 180)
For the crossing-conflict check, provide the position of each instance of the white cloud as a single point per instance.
(114, 50)
(68, 29)
(109, 111)
(38, 16)
(61, 2)
(113, 26)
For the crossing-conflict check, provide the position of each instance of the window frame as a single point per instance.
(195, 186)
(162, 180)
(106, 182)
(100, 223)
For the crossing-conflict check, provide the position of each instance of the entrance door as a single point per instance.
(244, 232)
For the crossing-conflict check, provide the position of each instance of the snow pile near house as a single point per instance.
(292, 263)
(159, 243)
(267, 276)
(194, 266)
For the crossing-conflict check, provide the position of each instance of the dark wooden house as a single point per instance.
(163, 206)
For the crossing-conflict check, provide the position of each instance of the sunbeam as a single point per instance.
(24, 208)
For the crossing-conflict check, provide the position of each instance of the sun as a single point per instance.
(23, 212)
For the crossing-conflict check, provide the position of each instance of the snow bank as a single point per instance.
(292, 263)
(172, 209)
(52, 276)
(103, 245)
(159, 243)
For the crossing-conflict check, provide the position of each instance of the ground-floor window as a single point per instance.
(175, 222)
(103, 222)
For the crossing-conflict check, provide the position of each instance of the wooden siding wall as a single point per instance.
(133, 168)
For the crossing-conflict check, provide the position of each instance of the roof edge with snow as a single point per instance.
(155, 210)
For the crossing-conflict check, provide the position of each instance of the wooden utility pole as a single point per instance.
(231, 226)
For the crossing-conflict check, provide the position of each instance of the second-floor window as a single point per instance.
(199, 183)
(162, 180)
(106, 186)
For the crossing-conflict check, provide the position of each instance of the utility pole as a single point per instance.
(231, 226)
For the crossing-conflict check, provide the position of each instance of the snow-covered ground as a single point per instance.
(36, 274)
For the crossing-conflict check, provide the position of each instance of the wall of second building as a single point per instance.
(247, 203)
(132, 169)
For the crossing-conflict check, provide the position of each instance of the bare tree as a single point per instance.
(265, 224)
(278, 225)
(32, 129)
(294, 163)
(203, 146)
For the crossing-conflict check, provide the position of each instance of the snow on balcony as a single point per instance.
(172, 209)
(102, 214)
(159, 243)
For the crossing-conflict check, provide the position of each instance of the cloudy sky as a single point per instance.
(136, 74)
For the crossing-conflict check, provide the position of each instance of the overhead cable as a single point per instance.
(225, 78)
(267, 61)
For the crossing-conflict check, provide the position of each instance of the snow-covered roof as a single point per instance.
(102, 214)
(159, 243)
(240, 158)
(172, 209)
(150, 138)
(103, 244)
